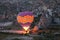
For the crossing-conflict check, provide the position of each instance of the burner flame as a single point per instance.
(26, 28)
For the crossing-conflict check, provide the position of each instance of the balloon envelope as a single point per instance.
(25, 18)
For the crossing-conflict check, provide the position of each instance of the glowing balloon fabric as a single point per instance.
(25, 18)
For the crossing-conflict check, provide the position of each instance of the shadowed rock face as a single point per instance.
(13, 7)
(28, 4)
(31, 5)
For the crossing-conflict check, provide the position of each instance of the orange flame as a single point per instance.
(26, 28)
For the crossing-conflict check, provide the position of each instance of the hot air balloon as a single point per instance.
(25, 19)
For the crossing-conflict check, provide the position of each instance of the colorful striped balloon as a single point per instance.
(25, 18)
